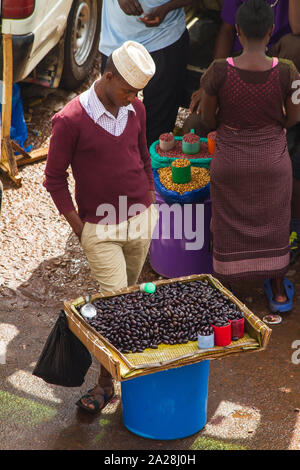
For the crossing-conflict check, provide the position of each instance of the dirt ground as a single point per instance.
(253, 401)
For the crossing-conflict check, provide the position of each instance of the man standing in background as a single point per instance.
(158, 25)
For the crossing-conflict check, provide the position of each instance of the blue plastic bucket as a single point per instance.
(170, 404)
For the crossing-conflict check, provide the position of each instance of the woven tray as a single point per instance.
(126, 366)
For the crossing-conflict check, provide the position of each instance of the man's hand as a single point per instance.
(155, 16)
(131, 7)
(196, 99)
(75, 222)
(152, 193)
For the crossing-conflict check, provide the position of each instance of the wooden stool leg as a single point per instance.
(7, 158)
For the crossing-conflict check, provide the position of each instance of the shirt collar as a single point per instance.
(98, 109)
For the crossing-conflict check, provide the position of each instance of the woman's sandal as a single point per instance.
(93, 401)
(280, 307)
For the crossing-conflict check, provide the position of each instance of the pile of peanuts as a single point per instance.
(199, 178)
(181, 163)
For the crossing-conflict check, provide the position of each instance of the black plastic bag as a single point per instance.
(64, 359)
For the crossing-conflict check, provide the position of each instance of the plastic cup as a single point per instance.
(206, 342)
(211, 142)
(222, 335)
(191, 148)
(211, 146)
(237, 328)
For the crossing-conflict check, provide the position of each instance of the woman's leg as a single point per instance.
(278, 290)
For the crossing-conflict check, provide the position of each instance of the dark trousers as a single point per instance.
(163, 94)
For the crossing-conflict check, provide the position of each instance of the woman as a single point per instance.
(249, 100)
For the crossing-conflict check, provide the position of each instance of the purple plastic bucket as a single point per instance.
(180, 242)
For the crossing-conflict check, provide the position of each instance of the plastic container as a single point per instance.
(191, 148)
(169, 255)
(237, 328)
(181, 174)
(211, 142)
(206, 342)
(166, 141)
(170, 404)
(222, 335)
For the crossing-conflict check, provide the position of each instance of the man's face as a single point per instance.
(120, 92)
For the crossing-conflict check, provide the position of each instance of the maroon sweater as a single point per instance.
(104, 166)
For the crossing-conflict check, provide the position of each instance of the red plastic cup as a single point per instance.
(237, 328)
(222, 335)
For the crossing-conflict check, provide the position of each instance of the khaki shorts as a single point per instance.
(116, 253)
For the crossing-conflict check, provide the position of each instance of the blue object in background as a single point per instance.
(170, 404)
(18, 129)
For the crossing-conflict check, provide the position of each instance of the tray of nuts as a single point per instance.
(136, 333)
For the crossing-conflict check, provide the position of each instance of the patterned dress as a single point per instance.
(251, 174)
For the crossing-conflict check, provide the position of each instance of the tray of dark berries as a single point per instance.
(162, 327)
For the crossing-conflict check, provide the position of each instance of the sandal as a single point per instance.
(93, 401)
(280, 306)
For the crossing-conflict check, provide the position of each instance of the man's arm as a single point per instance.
(224, 41)
(131, 7)
(294, 16)
(75, 222)
(156, 16)
(56, 176)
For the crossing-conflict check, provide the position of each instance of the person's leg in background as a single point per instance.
(162, 95)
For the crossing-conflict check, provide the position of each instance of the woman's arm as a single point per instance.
(157, 14)
(294, 16)
(209, 106)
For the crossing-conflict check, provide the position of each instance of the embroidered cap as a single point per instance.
(134, 64)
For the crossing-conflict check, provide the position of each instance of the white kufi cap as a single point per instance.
(134, 64)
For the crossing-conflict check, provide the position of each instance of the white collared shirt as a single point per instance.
(96, 110)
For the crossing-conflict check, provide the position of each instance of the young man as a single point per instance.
(160, 26)
(102, 135)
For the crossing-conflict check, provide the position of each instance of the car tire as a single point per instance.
(81, 41)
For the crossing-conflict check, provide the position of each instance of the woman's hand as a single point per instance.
(131, 7)
(196, 99)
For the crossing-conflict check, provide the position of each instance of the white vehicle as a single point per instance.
(67, 29)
